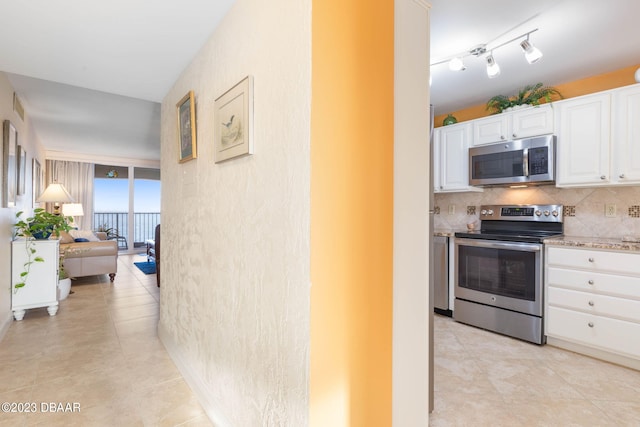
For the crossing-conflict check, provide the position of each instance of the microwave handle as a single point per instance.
(525, 161)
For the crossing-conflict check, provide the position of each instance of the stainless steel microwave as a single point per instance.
(529, 161)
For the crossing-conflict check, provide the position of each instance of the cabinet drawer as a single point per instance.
(620, 308)
(606, 334)
(589, 281)
(615, 262)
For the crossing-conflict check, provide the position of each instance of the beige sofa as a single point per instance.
(89, 258)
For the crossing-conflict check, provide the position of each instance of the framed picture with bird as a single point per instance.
(233, 122)
(187, 127)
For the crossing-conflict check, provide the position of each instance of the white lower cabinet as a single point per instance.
(592, 301)
(41, 284)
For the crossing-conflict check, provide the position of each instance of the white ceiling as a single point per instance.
(579, 38)
(91, 74)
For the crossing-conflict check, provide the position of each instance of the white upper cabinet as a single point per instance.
(491, 129)
(599, 139)
(523, 123)
(451, 158)
(583, 131)
(625, 139)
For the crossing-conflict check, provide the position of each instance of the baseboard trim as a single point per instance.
(5, 325)
(595, 353)
(193, 379)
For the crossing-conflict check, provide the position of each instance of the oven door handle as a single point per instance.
(524, 247)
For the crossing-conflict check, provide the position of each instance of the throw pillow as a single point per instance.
(84, 234)
(65, 237)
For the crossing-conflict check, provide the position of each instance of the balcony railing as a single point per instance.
(144, 226)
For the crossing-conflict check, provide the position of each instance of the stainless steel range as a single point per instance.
(499, 269)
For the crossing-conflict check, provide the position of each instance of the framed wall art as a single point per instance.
(37, 184)
(22, 169)
(9, 180)
(233, 122)
(187, 127)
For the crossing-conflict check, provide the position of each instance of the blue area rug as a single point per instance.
(146, 267)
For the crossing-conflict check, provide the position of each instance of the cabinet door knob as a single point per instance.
(591, 303)
(590, 282)
(591, 260)
(622, 175)
(590, 324)
(515, 136)
(602, 177)
(502, 137)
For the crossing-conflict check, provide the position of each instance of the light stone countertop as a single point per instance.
(595, 243)
(442, 232)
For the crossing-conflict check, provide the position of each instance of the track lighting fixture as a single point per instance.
(531, 53)
(493, 69)
(456, 62)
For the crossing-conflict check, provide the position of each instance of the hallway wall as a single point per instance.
(235, 260)
(28, 139)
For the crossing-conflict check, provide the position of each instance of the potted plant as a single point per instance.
(64, 281)
(528, 95)
(39, 226)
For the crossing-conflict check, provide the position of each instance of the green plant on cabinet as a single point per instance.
(39, 226)
(528, 95)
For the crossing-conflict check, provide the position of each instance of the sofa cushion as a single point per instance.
(84, 234)
(65, 237)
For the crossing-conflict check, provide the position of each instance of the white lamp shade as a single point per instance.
(72, 209)
(55, 193)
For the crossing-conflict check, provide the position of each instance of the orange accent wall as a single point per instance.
(351, 213)
(606, 81)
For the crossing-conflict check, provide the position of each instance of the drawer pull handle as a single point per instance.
(591, 259)
(590, 324)
(591, 282)
(591, 303)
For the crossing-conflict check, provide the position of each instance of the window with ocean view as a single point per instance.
(128, 208)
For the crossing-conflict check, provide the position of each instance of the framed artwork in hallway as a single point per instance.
(9, 163)
(22, 170)
(187, 127)
(233, 122)
(36, 181)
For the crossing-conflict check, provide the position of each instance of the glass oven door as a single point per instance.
(502, 274)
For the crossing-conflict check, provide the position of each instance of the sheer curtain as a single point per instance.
(77, 178)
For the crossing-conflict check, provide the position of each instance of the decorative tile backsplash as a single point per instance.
(584, 208)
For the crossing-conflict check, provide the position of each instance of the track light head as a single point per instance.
(531, 53)
(457, 64)
(493, 69)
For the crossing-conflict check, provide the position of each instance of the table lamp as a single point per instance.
(56, 194)
(73, 210)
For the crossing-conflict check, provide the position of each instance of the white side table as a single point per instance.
(41, 285)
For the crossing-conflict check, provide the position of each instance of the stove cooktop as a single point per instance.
(509, 235)
(517, 223)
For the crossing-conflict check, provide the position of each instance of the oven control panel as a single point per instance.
(544, 213)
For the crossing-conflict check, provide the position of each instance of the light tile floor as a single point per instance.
(485, 379)
(100, 351)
